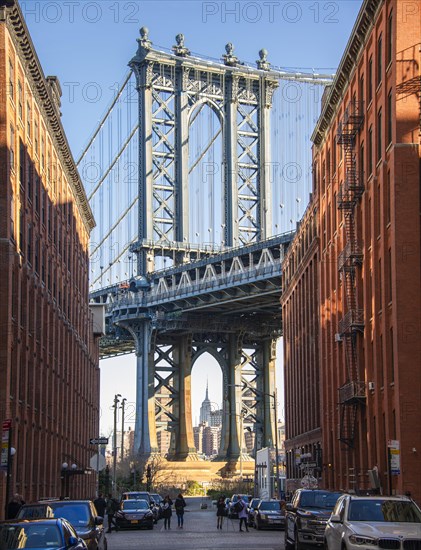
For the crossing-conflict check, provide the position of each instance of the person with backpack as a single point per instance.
(180, 504)
(167, 512)
(241, 508)
(111, 509)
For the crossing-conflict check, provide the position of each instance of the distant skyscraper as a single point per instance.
(205, 409)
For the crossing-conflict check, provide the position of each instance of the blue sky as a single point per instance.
(88, 44)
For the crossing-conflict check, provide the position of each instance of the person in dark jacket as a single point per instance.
(14, 506)
(221, 512)
(167, 512)
(111, 509)
(180, 504)
(100, 505)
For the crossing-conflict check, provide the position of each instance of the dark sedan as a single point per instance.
(54, 534)
(269, 515)
(135, 514)
(80, 513)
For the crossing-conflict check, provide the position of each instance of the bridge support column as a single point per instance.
(184, 439)
(267, 358)
(145, 442)
(232, 437)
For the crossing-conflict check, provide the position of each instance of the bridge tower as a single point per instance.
(173, 89)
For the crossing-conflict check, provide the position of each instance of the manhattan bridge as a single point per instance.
(197, 175)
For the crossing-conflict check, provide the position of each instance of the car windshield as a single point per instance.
(156, 498)
(384, 511)
(272, 505)
(36, 535)
(135, 505)
(319, 499)
(76, 514)
(34, 512)
(136, 496)
(254, 503)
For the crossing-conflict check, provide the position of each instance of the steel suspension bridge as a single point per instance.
(197, 175)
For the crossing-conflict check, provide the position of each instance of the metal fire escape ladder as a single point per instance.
(352, 393)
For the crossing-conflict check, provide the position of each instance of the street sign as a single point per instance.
(98, 462)
(305, 465)
(98, 441)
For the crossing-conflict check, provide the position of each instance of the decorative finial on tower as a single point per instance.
(180, 49)
(207, 390)
(229, 58)
(144, 41)
(263, 63)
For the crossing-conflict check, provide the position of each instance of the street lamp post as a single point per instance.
(275, 402)
(116, 402)
(11, 451)
(123, 403)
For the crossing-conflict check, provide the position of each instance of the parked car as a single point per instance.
(250, 510)
(137, 495)
(374, 522)
(135, 514)
(80, 513)
(269, 514)
(306, 517)
(54, 534)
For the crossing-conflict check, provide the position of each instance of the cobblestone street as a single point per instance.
(199, 533)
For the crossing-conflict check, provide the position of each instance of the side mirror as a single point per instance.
(99, 520)
(73, 541)
(335, 518)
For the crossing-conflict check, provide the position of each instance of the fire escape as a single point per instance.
(352, 393)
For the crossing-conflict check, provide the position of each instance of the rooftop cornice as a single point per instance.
(358, 38)
(26, 51)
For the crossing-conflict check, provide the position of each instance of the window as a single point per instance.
(37, 255)
(362, 95)
(30, 178)
(11, 80)
(379, 135)
(36, 137)
(392, 357)
(388, 198)
(28, 120)
(42, 151)
(389, 118)
(22, 163)
(334, 155)
(12, 218)
(362, 163)
(379, 60)
(389, 281)
(20, 99)
(389, 52)
(370, 79)
(37, 191)
(21, 230)
(12, 147)
(29, 244)
(370, 151)
(380, 286)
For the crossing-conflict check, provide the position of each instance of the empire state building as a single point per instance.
(205, 409)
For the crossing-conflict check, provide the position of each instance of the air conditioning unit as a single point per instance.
(371, 386)
(338, 337)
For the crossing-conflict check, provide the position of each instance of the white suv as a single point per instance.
(372, 522)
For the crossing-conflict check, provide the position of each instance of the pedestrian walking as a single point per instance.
(111, 509)
(100, 505)
(179, 505)
(14, 506)
(167, 512)
(221, 512)
(242, 514)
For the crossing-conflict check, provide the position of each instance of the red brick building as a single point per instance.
(367, 186)
(48, 353)
(300, 313)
